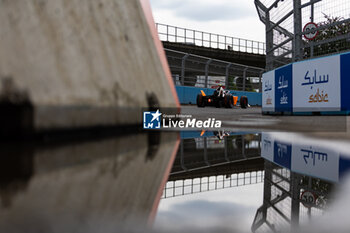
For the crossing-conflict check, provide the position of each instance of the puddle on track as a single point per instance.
(178, 182)
(260, 182)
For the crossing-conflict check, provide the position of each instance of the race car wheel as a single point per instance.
(228, 101)
(218, 103)
(243, 101)
(200, 101)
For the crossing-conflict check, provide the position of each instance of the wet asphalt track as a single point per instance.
(251, 118)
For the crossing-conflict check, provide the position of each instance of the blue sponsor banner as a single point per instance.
(268, 96)
(284, 89)
(344, 165)
(315, 85)
(282, 154)
(345, 81)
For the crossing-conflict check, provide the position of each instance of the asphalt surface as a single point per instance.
(252, 118)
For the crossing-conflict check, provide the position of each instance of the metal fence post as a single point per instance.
(295, 207)
(183, 67)
(167, 32)
(206, 152)
(269, 43)
(312, 19)
(175, 34)
(243, 146)
(210, 40)
(226, 149)
(206, 72)
(227, 74)
(218, 38)
(260, 79)
(267, 189)
(244, 77)
(202, 38)
(297, 30)
(182, 159)
(194, 37)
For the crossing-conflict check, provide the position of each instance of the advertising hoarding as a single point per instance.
(316, 85)
(268, 95)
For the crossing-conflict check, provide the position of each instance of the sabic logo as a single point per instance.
(269, 101)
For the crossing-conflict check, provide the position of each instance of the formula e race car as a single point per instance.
(220, 98)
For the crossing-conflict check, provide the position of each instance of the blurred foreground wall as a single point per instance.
(79, 63)
(84, 186)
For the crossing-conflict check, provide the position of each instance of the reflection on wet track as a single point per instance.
(91, 186)
(299, 176)
(234, 181)
(209, 162)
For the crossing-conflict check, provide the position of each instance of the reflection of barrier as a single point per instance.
(309, 157)
(199, 168)
(318, 85)
(204, 184)
(283, 210)
(195, 155)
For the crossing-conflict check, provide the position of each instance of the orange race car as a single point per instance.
(220, 98)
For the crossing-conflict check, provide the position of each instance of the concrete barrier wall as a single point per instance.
(81, 63)
(188, 95)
